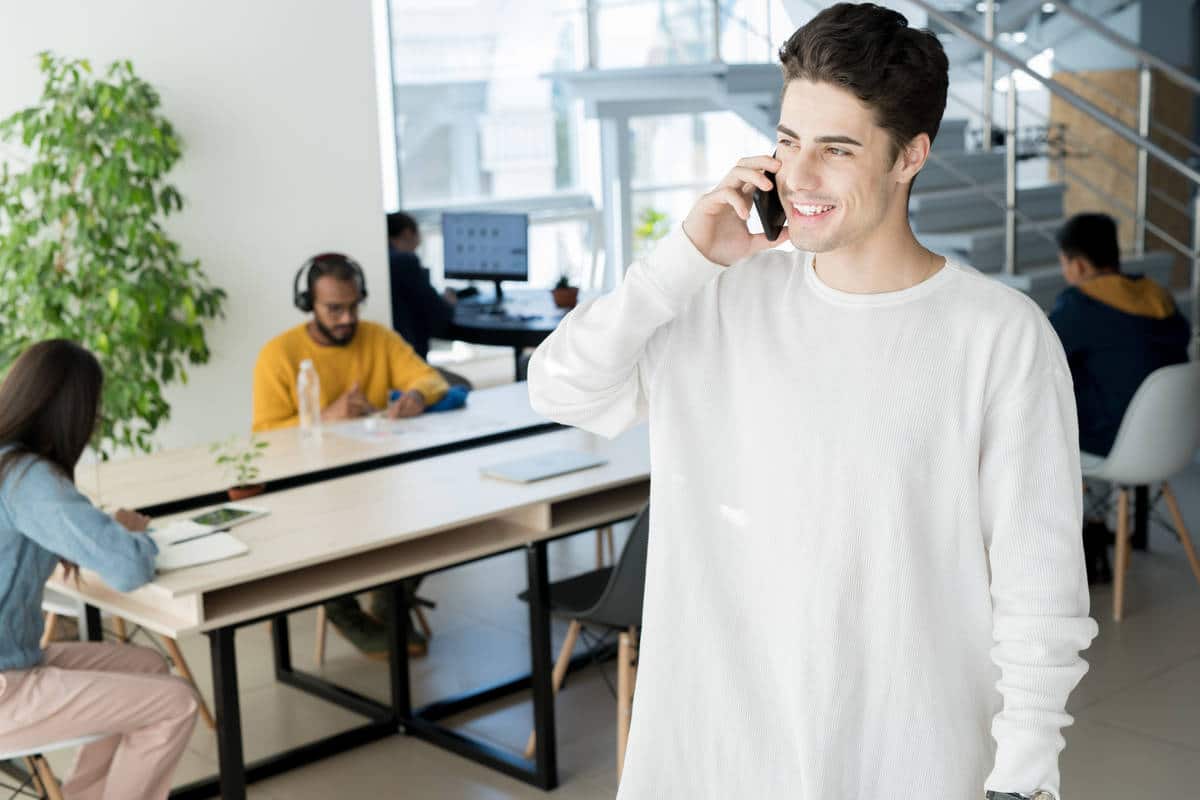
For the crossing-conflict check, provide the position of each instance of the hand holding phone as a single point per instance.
(716, 225)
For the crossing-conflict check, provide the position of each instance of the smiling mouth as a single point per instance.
(810, 210)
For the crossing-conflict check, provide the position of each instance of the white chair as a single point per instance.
(41, 777)
(1158, 437)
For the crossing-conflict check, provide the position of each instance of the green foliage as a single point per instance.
(564, 282)
(236, 458)
(652, 225)
(83, 254)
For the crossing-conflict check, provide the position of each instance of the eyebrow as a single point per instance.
(786, 131)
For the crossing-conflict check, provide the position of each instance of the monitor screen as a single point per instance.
(482, 246)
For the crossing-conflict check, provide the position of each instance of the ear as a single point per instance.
(912, 158)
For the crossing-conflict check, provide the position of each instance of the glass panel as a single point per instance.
(639, 33)
(473, 116)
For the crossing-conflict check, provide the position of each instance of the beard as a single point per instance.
(340, 340)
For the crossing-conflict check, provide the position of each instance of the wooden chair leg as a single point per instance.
(119, 624)
(48, 629)
(612, 547)
(422, 622)
(559, 674)
(182, 665)
(1185, 538)
(50, 785)
(322, 636)
(35, 781)
(1121, 553)
(625, 656)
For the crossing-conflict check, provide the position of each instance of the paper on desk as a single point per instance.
(175, 553)
(381, 429)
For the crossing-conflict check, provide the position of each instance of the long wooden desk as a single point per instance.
(177, 480)
(372, 530)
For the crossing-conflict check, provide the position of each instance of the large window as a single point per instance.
(477, 118)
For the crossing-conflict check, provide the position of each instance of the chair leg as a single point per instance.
(625, 680)
(612, 547)
(182, 665)
(35, 782)
(119, 624)
(49, 783)
(1185, 538)
(422, 622)
(322, 636)
(1121, 553)
(48, 629)
(559, 674)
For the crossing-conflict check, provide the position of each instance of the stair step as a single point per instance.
(951, 136)
(966, 208)
(983, 248)
(942, 170)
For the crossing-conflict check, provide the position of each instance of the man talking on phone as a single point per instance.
(865, 577)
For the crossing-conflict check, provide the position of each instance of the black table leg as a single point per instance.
(1141, 519)
(398, 627)
(90, 629)
(231, 760)
(541, 659)
(281, 645)
(519, 369)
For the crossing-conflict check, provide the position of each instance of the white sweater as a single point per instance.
(865, 576)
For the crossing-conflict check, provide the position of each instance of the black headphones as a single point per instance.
(303, 299)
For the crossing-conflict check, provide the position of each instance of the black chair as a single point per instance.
(608, 598)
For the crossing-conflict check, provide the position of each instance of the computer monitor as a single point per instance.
(482, 246)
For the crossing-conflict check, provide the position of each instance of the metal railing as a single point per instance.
(1139, 138)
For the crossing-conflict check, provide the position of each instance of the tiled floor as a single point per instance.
(1137, 731)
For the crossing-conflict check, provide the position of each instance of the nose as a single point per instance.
(800, 171)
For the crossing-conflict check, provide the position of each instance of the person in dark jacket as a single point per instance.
(1116, 329)
(418, 311)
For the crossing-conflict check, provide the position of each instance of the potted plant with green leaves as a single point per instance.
(84, 254)
(565, 295)
(238, 459)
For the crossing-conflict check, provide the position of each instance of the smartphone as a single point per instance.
(770, 208)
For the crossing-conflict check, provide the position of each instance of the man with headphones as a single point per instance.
(359, 365)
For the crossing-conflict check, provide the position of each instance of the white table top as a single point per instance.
(345, 534)
(173, 475)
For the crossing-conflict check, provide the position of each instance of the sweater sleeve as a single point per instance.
(594, 371)
(408, 371)
(273, 399)
(1031, 515)
(46, 508)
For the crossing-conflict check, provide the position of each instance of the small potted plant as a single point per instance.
(237, 459)
(565, 295)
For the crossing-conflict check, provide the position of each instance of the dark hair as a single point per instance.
(1091, 236)
(335, 265)
(49, 406)
(900, 72)
(399, 223)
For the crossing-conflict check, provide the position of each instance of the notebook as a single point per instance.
(543, 465)
(187, 544)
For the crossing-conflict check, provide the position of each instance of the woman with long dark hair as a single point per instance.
(49, 404)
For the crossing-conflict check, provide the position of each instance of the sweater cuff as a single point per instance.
(676, 269)
(1025, 763)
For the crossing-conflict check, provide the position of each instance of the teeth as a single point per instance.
(812, 211)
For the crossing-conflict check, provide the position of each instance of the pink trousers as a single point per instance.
(82, 689)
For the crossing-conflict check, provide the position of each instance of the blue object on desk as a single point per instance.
(456, 397)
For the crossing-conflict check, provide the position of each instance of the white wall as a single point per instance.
(275, 102)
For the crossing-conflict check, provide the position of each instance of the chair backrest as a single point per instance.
(1160, 431)
(620, 603)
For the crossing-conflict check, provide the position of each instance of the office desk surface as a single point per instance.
(348, 534)
(172, 476)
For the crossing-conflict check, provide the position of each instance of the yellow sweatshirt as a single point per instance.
(377, 359)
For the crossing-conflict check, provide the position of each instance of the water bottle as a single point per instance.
(308, 390)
